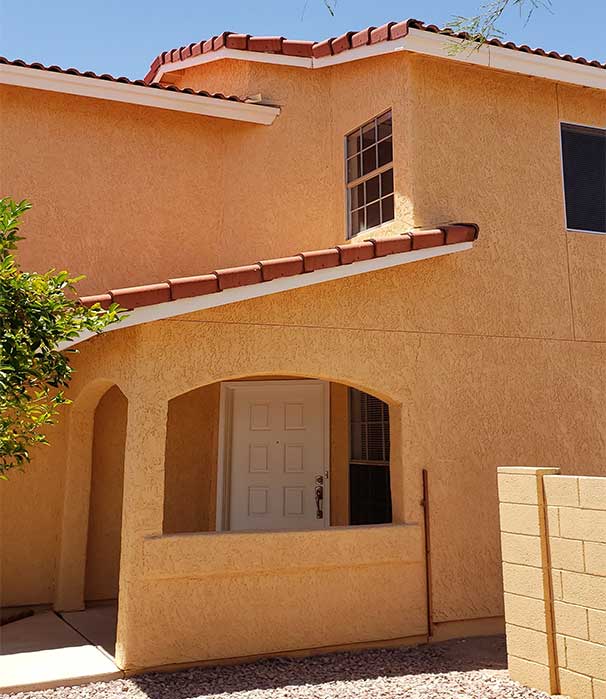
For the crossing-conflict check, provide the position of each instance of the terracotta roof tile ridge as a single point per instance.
(110, 78)
(299, 263)
(389, 31)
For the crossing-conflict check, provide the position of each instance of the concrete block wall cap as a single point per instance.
(104, 299)
(320, 259)
(281, 267)
(356, 252)
(148, 295)
(529, 470)
(427, 238)
(188, 287)
(392, 245)
(239, 276)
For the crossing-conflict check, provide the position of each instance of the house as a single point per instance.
(361, 274)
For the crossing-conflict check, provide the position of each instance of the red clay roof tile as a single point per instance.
(148, 295)
(187, 287)
(239, 276)
(356, 252)
(281, 267)
(392, 245)
(268, 270)
(147, 83)
(371, 35)
(320, 259)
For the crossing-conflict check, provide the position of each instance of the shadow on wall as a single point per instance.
(274, 673)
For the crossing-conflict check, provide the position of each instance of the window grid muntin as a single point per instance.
(382, 130)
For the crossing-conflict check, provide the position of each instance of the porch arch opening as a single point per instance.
(276, 453)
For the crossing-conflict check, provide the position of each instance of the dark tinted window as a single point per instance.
(584, 165)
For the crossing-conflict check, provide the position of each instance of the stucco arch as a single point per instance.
(71, 565)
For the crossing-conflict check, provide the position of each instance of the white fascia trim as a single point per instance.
(236, 55)
(136, 94)
(430, 44)
(171, 309)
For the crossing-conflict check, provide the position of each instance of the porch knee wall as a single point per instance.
(553, 541)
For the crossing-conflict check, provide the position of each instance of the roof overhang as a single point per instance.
(136, 94)
(172, 309)
(421, 42)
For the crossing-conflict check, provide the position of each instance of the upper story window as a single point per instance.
(584, 167)
(369, 174)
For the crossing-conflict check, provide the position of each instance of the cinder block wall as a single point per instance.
(553, 541)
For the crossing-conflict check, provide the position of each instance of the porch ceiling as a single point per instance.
(221, 287)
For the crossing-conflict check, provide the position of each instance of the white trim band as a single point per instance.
(171, 309)
(39, 79)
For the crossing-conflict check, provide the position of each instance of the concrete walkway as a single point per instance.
(43, 651)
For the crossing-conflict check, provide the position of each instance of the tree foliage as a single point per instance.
(484, 26)
(37, 313)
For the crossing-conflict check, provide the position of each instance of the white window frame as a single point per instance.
(561, 123)
(363, 178)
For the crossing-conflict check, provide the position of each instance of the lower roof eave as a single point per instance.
(183, 306)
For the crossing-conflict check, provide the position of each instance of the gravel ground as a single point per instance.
(473, 669)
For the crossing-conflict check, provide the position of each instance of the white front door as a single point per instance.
(279, 455)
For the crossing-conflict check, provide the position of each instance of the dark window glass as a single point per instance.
(373, 215)
(584, 166)
(357, 221)
(387, 210)
(353, 143)
(372, 189)
(353, 168)
(387, 182)
(369, 160)
(385, 152)
(368, 135)
(384, 126)
(369, 486)
(357, 196)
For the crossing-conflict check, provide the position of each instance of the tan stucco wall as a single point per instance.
(105, 514)
(492, 356)
(553, 540)
(191, 461)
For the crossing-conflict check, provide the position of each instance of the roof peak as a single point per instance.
(280, 45)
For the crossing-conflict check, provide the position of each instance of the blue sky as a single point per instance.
(122, 37)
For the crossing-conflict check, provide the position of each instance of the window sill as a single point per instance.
(580, 230)
(383, 230)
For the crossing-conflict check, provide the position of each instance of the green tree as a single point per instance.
(37, 313)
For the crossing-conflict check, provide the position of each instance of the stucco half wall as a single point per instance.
(277, 592)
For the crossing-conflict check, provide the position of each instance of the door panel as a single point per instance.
(278, 449)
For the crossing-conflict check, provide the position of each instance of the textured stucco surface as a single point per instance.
(105, 514)
(494, 356)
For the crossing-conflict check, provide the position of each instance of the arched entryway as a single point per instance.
(276, 453)
(89, 566)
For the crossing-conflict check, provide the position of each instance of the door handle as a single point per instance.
(319, 494)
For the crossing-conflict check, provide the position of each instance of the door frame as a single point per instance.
(226, 403)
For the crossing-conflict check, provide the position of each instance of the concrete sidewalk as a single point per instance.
(43, 651)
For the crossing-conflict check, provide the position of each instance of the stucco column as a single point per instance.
(71, 565)
(142, 514)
